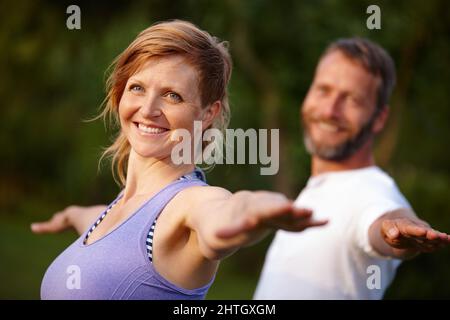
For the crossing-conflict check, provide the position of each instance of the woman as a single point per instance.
(166, 232)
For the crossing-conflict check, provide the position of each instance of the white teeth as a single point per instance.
(327, 127)
(153, 130)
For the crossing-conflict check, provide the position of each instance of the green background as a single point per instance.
(52, 78)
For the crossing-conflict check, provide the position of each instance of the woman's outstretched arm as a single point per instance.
(224, 222)
(77, 217)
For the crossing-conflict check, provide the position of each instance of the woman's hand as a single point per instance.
(77, 217)
(223, 222)
(269, 210)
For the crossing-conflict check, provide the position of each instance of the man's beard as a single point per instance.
(343, 150)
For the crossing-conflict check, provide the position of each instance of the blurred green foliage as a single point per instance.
(52, 78)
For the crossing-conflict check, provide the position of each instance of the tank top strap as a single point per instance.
(152, 207)
(150, 210)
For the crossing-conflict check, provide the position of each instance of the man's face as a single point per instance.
(338, 111)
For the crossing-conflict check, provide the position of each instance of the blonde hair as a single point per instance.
(206, 53)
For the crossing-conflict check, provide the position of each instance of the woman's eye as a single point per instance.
(175, 97)
(136, 88)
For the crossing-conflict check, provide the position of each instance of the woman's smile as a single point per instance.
(149, 129)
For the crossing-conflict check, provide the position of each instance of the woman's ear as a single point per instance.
(210, 113)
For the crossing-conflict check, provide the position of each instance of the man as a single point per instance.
(372, 227)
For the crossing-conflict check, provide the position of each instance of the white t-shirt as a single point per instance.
(335, 261)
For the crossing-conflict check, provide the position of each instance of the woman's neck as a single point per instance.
(147, 175)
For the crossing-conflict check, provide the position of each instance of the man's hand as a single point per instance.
(412, 234)
(77, 217)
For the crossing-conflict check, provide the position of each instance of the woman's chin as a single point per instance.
(152, 153)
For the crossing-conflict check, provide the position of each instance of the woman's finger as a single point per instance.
(56, 224)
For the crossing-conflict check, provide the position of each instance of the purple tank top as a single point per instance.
(117, 266)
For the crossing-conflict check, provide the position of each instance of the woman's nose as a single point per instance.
(150, 108)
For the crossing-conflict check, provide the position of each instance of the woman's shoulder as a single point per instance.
(203, 193)
(195, 196)
(190, 199)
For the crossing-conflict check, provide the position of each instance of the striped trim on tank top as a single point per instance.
(197, 174)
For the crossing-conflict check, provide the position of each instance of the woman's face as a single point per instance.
(160, 98)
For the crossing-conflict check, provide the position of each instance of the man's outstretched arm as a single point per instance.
(401, 234)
